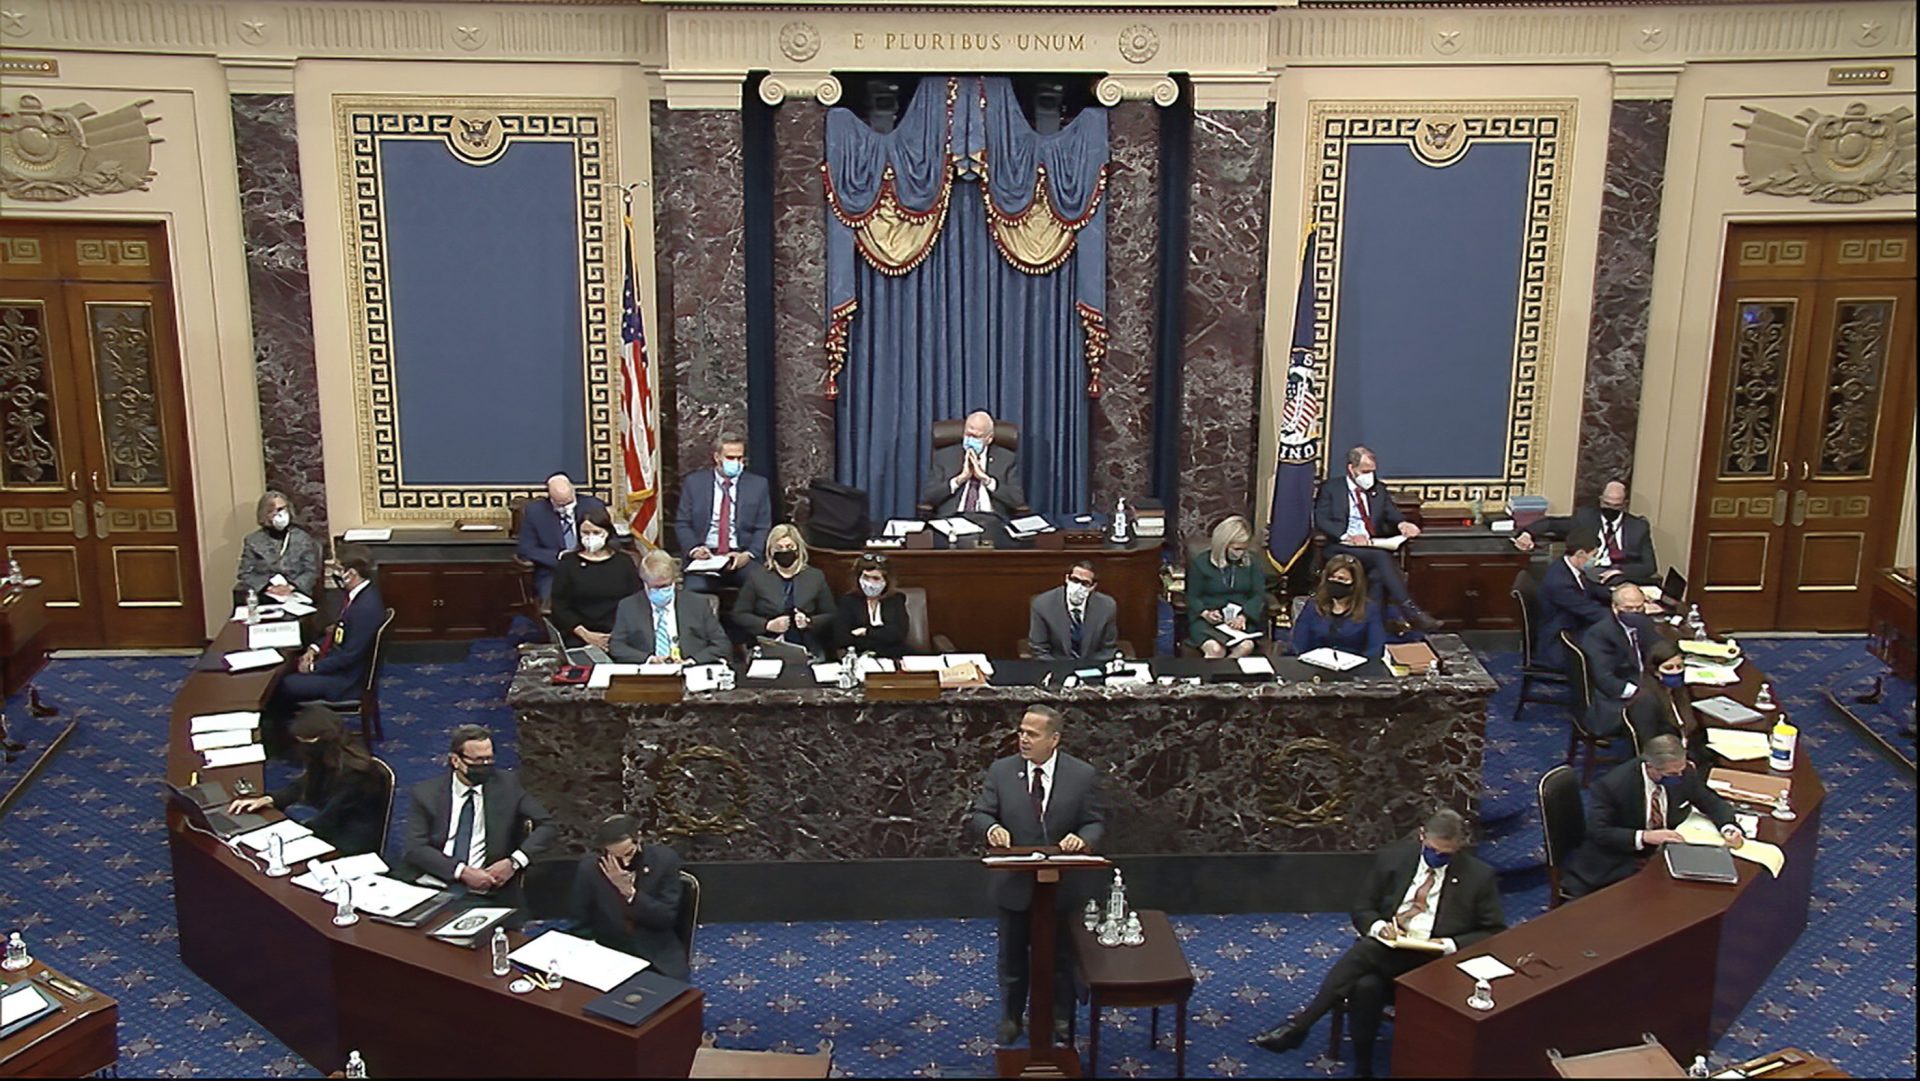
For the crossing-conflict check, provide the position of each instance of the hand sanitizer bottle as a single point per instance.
(356, 1067)
(1121, 535)
(17, 958)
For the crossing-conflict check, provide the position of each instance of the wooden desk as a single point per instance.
(980, 597)
(1650, 954)
(23, 636)
(409, 1005)
(1155, 974)
(448, 585)
(1891, 626)
(1462, 575)
(83, 1038)
(1797, 1064)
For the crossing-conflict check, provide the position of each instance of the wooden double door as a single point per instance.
(1810, 413)
(96, 499)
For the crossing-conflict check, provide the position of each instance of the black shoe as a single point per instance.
(1420, 619)
(1363, 1065)
(1009, 1031)
(1280, 1040)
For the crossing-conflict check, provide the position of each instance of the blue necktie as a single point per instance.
(567, 539)
(662, 634)
(1074, 626)
(463, 833)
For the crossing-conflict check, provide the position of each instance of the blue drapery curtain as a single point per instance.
(966, 270)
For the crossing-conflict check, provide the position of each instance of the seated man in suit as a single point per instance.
(664, 622)
(476, 827)
(724, 511)
(1424, 887)
(550, 528)
(1074, 621)
(1616, 650)
(1041, 796)
(1354, 509)
(1635, 809)
(334, 667)
(1626, 540)
(972, 476)
(1569, 600)
(626, 895)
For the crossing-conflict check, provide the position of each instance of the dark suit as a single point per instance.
(1330, 509)
(763, 597)
(351, 805)
(542, 540)
(697, 513)
(888, 639)
(1072, 807)
(1469, 910)
(1617, 810)
(1050, 628)
(644, 926)
(1636, 562)
(509, 808)
(1002, 465)
(1615, 660)
(1567, 602)
(1661, 711)
(340, 671)
(701, 637)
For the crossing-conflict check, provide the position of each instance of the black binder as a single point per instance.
(1700, 863)
(635, 1000)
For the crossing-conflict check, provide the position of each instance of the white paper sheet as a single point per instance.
(479, 527)
(766, 668)
(602, 675)
(921, 664)
(265, 612)
(871, 665)
(1234, 637)
(379, 895)
(709, 565)
(954, 660)
(956, 527)
(1484, 968)
(701, 678)
(1032, 523)
(208, 741)
(901, 527)
(286, 829)
(827, 673)
(297, 608)
(1333, 659)
(1256, 666)
(361, 535)
(1711, 675)
(222, 757)
(1389, 544)
(579, 960)
(1700, 830)
(246, 660)
(223, 722)
(1736, 746)
(273, 636)
(22, 1001)
(365, 865)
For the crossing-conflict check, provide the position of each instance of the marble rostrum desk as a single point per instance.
(819, 774)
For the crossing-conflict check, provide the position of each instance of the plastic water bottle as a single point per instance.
(849, 664)
(1699, 625)
(17, 958)
(277, 857)
(14, 577)
(1699, 1067)
(356, 1066)
(500, 967)
(253, 607)
(554, 979)
(343, 913)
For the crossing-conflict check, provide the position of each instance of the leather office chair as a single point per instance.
(687, 920)
(367, 705)
(1563, 824)
(949, 433)
(547, 892)
(385, 773)
(1526, 596)
(528, 601)
(1579, 736)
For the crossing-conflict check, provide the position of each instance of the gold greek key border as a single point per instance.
(361, 124)
(1547, 127)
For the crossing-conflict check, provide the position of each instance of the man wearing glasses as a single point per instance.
(1074, 621)
(476, 827)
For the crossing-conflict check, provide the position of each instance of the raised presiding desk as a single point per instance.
(412, 1007)
(1650, 954)
(786, 769)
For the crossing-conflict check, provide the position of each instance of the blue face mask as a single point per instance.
(730, 467)
(1674, 782)
(1674, 679)
(660, 597)
(1434, 858)
(975, 445)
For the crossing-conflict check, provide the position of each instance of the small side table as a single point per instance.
(1153, 974)
(82, 1038)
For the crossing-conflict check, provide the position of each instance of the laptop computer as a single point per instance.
(1700, 863)
(579, 655)
(1673, 588)
(213, 819)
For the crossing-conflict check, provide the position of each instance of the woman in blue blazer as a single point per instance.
(1340, 614)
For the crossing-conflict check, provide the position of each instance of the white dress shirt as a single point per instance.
(733, 519)
(1356, 525)
(1421, 925)
(479, 846)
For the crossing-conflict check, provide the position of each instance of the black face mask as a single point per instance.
(786, 559)
(1339, 591)
(479, 775)
(313, 752)
(1611, 514)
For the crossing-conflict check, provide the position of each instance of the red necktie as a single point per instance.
(726, 517)
(1419, 903)
(1614, 552)
(1360, 501)
(1656, 818)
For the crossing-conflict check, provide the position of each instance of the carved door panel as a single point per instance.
(126, 571)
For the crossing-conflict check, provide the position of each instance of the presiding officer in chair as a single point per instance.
(1424, 887)
(627, 896)
(550, 528)
(973, 475)
(723, 511)
(1074, 621)
(664, 622)
(335, 667)
(1040, 796)
(475, 826)
(1352, 511)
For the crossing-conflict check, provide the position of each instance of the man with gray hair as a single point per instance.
(973, 475)
(1616, 650)
(1637, 807)
(1425, 897)
(664, 623)
(1625, 553)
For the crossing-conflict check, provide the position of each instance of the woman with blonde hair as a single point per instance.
(785, 599)
(1225, 589)
(279, 548)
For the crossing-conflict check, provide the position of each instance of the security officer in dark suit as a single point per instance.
(1351, 511)
(1626, 540)
(1635, 809)
(1424, 887)
(335, 666)
(1041, 796)
(475, 826)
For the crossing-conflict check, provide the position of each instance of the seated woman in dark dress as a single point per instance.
(872, 618)
(590, 583)
(340, 780)
(1339, 615)
(785, 599)
(626, 896)
(1661, 705)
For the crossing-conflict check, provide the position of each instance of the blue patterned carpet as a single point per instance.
(83, 872)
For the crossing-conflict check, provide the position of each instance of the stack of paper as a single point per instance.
(1256, 666)
(208, 741)
(955, 528)
(378, 895)
(828, 672)
(1737, 746)
(246, 660)
(1332, 659)
(577, 959)
(701, 678)
(1029, 526)
(238, 755)
(1718, 651)
(264, 611)
(224, 722)
(955, 660)
(300, 842)
(901, 527)
(1697, 830)
(918, 663)
(297, 606)
(602, 676)
(1711, 675)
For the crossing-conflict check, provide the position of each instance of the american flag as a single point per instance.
(639, 441)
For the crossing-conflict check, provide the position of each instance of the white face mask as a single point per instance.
(281, 519)
(872, 589)
(1077, 593)
(592, 542)
(1364, 480)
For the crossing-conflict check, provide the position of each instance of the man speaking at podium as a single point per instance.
(1041, 796)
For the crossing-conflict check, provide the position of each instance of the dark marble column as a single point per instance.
(805, 423)
(272, 216)
(701, 266)
(1622, 292)
(1225, 314)
(1122, 417)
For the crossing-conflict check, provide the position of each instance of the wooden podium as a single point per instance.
(1041, 1057)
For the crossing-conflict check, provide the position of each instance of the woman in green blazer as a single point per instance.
(1226, 589)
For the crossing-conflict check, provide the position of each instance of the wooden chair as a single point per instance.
(385, 772)
(367, 705)
(527, 601)
(1525, 593)
(948, 433)
(1579, 736)
(687, 920)
(1563, 824)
